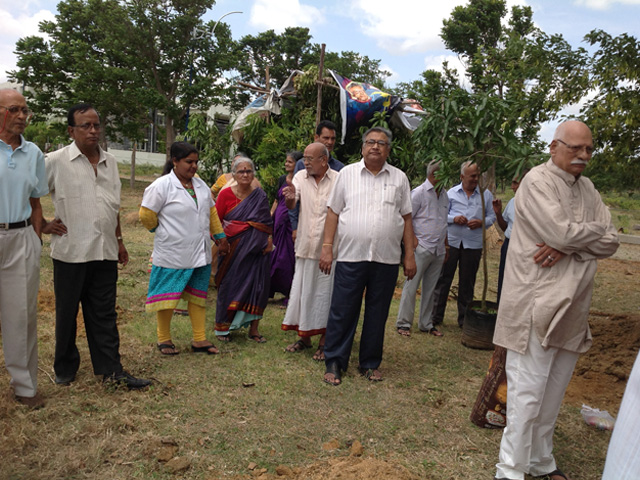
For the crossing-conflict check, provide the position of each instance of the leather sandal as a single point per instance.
(333, 369)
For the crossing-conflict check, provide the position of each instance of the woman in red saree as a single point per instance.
(243, 274)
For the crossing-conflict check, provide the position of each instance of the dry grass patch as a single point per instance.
(255, 411)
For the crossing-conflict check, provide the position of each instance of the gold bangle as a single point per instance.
(325, 244)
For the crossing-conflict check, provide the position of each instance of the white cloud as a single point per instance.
(14, 27)
(267, 14)
(408, 27)
(603, 4)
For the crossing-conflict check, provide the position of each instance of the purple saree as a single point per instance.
(243, 274)
(283, 257)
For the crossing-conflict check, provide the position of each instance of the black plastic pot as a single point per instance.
(478, 327)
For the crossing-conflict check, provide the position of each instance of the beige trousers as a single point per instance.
(19, 280)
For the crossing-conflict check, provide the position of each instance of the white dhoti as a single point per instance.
(536, 383)
(309, 299)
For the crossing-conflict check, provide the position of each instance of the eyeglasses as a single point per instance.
(87, 126)
(577, 148)
(13, 109)
(244, 172)
(380, 143)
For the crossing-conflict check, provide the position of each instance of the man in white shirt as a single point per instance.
(430, 206)
(86, 247)
(310, 297)
(369, 216)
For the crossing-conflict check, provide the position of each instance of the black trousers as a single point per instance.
(93, 284)
(349, 283)
(466, 261)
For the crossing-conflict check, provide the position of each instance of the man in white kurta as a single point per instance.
(310, 295)
(561, 228)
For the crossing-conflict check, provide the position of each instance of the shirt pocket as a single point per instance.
(389, 194)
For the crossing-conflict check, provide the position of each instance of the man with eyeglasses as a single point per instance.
(561, 228)
(22, 182)
(369, 216)
(86, 247)
(310, 296)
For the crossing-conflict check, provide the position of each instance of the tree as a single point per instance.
(129, 58)
(517, 61)
(614, 112)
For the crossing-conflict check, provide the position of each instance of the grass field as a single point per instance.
(256, 412)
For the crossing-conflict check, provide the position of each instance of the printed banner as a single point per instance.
(359, 101)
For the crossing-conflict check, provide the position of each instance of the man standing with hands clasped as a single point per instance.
(561, 228)
(86, 247)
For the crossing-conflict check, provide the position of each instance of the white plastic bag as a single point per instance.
(602, 420)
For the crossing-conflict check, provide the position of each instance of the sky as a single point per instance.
(403, 34)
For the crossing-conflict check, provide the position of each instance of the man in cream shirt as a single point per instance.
(86, 247)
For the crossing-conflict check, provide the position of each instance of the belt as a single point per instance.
(11, 226)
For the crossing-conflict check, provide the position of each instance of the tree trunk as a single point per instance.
(132, 179)
(170, 136)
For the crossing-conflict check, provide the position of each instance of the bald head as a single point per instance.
(572, 147)
(316, 159)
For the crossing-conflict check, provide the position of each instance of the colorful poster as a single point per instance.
(359, 101)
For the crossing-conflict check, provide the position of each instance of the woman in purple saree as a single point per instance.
(283, 256)
(243, 274)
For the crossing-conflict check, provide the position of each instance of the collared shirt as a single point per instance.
(429, 216)
(471, 207)
(334, 164)
(88, 204)
(555, 208)
(313, 211)
(370, 209)
(507, 216)
(22, 176)
(182, 237)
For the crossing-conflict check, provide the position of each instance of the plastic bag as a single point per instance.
(602, 420)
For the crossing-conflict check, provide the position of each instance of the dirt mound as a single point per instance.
(601, 374)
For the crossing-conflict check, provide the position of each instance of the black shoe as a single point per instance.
(125, 378)
(64, 380)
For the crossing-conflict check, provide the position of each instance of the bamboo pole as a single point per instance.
(320, 74)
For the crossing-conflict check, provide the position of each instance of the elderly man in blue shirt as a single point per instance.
(23, 181)
(465, 241)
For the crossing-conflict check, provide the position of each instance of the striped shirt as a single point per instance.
(88, 204)
(370, 210)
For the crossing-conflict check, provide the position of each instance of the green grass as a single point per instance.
(200, 410)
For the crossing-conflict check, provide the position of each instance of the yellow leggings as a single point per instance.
(197, 316)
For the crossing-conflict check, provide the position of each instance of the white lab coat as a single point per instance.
(182, 238)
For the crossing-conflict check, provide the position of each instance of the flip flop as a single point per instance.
(164, 346)
(258, 338)
(371, 374)
(404, 331)
(297, 347)
(332, 369)
(557, 472)
(205, 349)
(319, 355)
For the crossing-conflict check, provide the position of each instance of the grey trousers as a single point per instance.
(428, 271)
